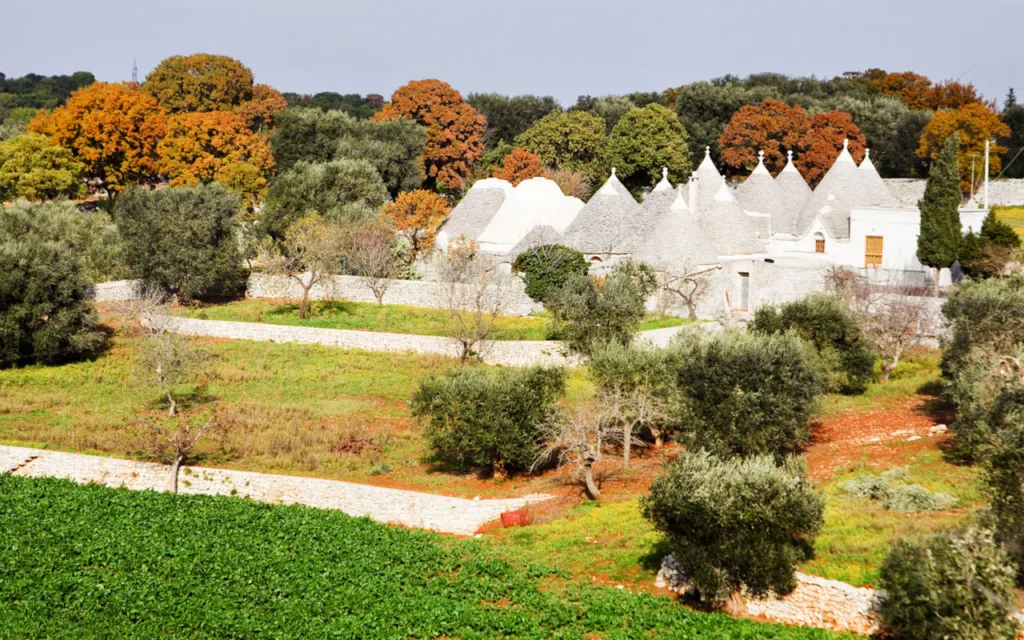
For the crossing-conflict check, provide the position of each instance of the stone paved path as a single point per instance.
(444, 514)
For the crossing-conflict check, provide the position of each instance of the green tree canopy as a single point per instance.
(507, 117)
(547, 267)
(45, 312)
(566, 140)
(340, 190)
(182, 239)
(736, 523)
(33, 168)
(92, 237)
(643, 142)
(393, 147)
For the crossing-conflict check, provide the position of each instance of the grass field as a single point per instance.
(1013, 216)
(93, 562)
(286, 408)
(323, 412)
(364, 316)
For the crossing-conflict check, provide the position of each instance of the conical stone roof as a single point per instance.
(539, 235)
(760, 193)
(708, 182)
(676, 240)
(475, 211)
(875, 191)
(795, 192)
(839, 191)
(730, 229)
(608, 223)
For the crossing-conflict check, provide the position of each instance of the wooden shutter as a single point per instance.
(873, 252)
(819, 245)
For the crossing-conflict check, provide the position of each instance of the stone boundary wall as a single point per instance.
(116, 291)
(443, 514)
(501, 352)
(816, 602)
(416, 293)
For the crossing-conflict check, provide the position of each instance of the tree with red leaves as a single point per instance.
(912, 88)
(772, 126)
(454, 129)
(417, 215)
(818, 149)
(520, 165)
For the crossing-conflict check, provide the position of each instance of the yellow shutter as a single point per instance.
(873, 252)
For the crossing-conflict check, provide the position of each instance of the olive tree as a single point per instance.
(738, 523)
(576, 438)
(949, 586)
(182, 239)
(744, 393)
(588, 312)
(311, 251)
(488, 418)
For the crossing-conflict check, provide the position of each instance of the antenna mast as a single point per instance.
(135, 72)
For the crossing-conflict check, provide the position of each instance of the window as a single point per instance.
(819, 243)
(873, 252)
(744, 290)
(595, 259)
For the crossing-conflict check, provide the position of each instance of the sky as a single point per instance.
(562, 48)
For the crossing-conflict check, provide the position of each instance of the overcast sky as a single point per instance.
(562, 48)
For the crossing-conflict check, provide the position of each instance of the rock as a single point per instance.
(913, 438)
(938, 430)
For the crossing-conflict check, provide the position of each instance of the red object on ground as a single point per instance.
(519, 518)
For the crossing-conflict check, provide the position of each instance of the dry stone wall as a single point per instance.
(502, 352)
(407, 508)
(116, 291)
(816, 602)
(416, 293)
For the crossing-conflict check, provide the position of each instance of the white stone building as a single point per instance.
(769, 240)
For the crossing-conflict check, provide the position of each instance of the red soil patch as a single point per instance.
(881, 438)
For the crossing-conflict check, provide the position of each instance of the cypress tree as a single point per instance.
(938, 245)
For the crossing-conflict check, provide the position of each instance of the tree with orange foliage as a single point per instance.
(417, 215)
(200, 82)
(200, 148)
(454, 129)
(259, 112)
(772, 126)
(912, 88)
(952, 95)
(520, 165)
(976, 123)
(113, 129)
(818, 149)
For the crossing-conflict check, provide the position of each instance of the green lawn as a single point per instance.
(364, 316)
(94, 562)
(285, 408)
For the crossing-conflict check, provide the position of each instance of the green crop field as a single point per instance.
(93, 562)
(392, 318)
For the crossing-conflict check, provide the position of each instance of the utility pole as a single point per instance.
(986, 174)
(135, 72)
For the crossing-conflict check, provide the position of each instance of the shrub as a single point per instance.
(902, 498)
(45, 313)
(949, 586)
(548, 267)
(736, 523)
(489, 418)
(744, 393)
(987, 314)
(587, 312)
(183, 239)
(828, 324)
(1004, 470)
(93, 236)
